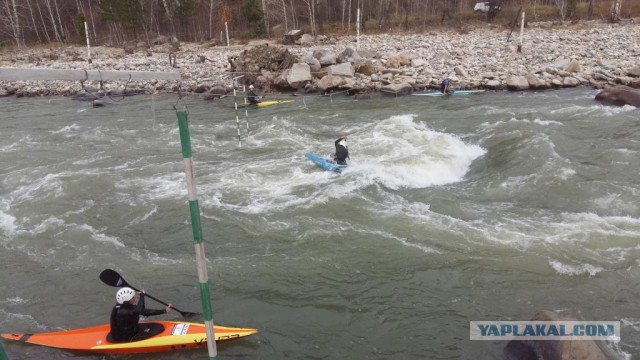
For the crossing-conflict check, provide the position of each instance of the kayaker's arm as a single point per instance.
(142, 310)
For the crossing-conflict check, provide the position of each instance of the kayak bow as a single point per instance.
(273, 102)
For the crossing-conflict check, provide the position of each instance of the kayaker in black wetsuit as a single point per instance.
(126, 314)
(342, 153)
(252, 97)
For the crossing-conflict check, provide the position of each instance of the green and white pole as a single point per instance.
(246, 112)
(235, 101)
(3, 355)
(194, 209)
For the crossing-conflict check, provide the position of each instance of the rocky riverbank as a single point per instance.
(595, 54)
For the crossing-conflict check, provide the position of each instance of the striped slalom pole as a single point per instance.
(3, 355)
(246, 111)
(235, 101)
(237, 118)
(194, 210)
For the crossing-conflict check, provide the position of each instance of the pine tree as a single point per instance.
(253, 14)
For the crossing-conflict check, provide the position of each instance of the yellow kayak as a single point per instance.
(273, 102)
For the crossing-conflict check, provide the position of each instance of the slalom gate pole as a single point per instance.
(194, 210)
(3, 355)
(246, 111)
(235, 101)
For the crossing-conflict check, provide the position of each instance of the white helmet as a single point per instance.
(125, 294)
(250, 86)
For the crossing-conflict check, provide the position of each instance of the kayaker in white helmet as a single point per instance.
(252, 97)
(125, 315)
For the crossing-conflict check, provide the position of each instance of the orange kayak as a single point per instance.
(170, 335)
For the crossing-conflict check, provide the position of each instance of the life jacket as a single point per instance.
(124, 322)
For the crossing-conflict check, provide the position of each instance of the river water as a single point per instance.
(482, 207)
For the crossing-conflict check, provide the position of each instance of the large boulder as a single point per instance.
(325, 57)
(397, 89)
(619, 95)
(314, 64)
(535, 83)
(365, 67)
(344, 69)
(330, 82)
(348, 55)
(634, 72)
(553, 349)
(572, 66)
(299, 75)
(517, 83)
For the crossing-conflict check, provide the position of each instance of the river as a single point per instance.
(456, 209)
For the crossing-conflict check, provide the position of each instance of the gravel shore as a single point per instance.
(590, 53)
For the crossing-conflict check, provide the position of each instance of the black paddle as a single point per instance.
(112, 278)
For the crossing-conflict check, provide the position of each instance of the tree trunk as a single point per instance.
(144, 26)
(53, 21)
(349, 22)
(294, 16)
(615, 11)
(93, 23)
(62, 32)
(44, 24)
(33, 20)
(170, 17)
(284, 13)
(265, 15)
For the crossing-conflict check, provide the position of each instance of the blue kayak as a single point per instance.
(455, 92)
(326, 164)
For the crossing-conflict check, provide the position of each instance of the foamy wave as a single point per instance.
(575, 270)
(100, 236)
(633, 323)
(400, 153)
(144, 217)
(67, 129)
(614, 110)
(8, 223)
(15, 300)
(153, 258)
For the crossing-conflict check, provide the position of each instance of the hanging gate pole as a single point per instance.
(194, 210)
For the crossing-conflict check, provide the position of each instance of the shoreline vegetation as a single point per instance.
(593, 54)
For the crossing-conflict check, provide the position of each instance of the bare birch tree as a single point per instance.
(284, 13)
(561, 5)
(44, 24)
(615, 10)
(170, 17)
(33, 20)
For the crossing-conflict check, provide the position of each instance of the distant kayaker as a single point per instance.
(444, 86)
(342, 153)
(252, 97)
(126, 314)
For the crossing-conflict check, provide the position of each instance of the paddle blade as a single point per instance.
(112, 278)
(187, 314)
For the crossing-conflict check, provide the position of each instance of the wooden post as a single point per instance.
(226, 29)
(521, 33)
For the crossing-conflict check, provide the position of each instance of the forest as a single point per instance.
(116, 22)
